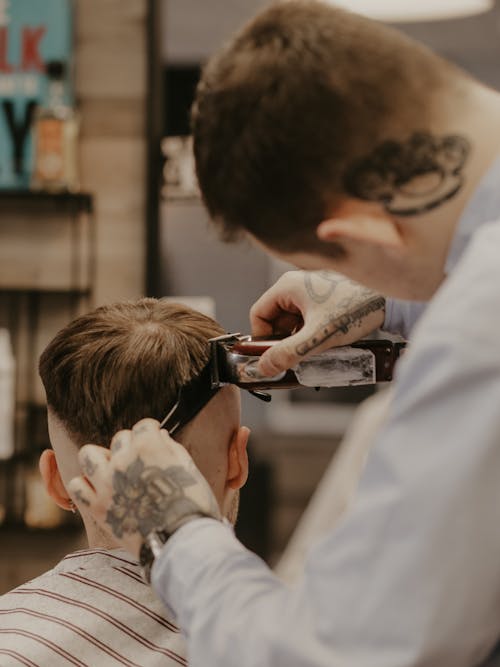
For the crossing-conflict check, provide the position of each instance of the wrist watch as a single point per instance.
(155, 541)
(150, 550)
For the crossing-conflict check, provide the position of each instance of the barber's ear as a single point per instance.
(381, 231)
(51, 476)
(237, 469)
(355, 220)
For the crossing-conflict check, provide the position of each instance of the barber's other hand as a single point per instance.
(145, 481)
(321, 309)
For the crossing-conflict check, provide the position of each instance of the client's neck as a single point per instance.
(96, 537)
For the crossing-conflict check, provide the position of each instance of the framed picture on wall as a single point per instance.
(33, 34)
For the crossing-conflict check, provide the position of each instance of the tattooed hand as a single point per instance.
(321, 309)
(145, 481)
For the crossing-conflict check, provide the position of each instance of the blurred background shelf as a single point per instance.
(47, 277)
(82, 201)
(34, 290)
(47, 241)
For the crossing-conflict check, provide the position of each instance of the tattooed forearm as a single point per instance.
(148, 497)
(342, 323)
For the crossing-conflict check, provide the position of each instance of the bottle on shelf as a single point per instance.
(55, 137)
(7, 396)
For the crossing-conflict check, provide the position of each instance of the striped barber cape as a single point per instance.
(92, 610)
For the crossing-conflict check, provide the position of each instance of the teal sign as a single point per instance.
(32, 33)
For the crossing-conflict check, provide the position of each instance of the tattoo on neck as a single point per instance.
(148, 498)
(354, 310)
(410, 177)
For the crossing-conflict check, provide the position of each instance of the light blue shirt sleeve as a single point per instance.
(402, 316)
(411, 576)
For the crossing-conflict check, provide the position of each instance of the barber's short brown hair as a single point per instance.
(122, 362)
(300, 94)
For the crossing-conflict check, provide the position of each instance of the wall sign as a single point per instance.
(32, 33)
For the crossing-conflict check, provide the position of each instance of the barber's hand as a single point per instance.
(145, 481)
(325, 309)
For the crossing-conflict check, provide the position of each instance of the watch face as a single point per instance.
(152, 546)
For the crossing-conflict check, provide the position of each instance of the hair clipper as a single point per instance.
(235, 359)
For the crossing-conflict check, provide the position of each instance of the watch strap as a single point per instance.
(155, 541)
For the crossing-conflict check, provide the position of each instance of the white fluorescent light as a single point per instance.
(404, 11)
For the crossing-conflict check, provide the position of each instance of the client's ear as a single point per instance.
(51, 476)
(237, 469)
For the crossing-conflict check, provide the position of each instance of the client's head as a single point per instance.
(120, 363)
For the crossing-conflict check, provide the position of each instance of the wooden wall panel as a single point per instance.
(111, 82)
(111, 49)
(43, 249)
(114, 169)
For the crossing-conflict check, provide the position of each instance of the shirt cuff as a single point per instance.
(186, 555)
(401, 316)
(389, 306)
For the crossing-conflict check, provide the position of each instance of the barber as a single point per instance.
(338, 144)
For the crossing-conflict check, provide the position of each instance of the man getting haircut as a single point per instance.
(102, 373)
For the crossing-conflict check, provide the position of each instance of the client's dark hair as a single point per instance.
(291, 103)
